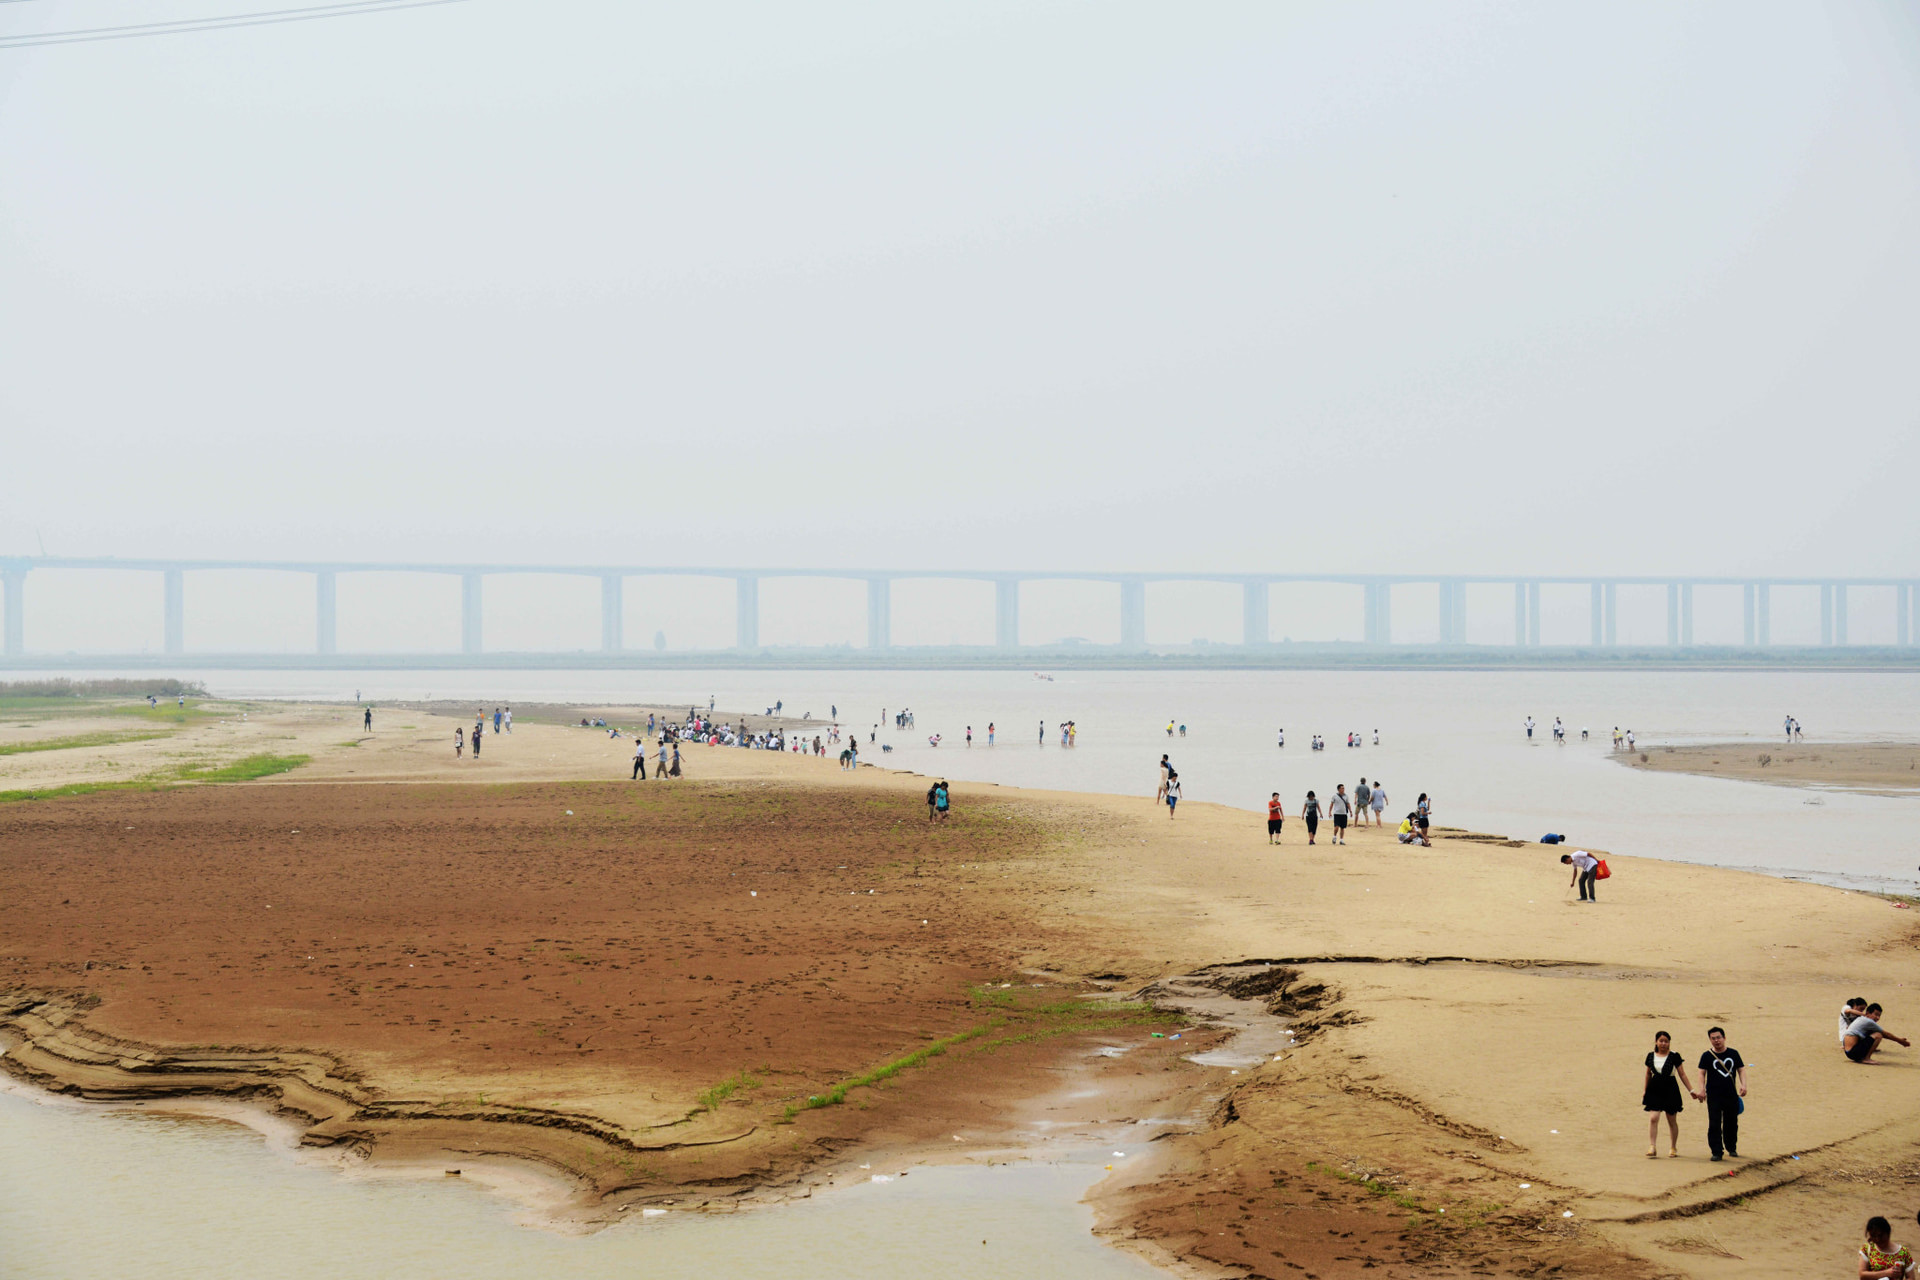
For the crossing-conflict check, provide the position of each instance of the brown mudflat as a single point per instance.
(563, 969)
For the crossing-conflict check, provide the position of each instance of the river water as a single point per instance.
(87, 1192)
(1456, 735)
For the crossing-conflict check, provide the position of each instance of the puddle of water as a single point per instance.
(88, 1192)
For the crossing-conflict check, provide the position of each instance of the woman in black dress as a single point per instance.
(1660, 1094)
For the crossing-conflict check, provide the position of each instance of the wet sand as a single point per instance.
(1877, 768)
(1461, 1027)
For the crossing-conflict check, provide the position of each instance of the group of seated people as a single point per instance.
(1861, 1035)
(1413, 831)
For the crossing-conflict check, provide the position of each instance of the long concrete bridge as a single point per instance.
(1375, 597)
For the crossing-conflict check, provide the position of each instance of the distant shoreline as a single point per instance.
(1280, 657)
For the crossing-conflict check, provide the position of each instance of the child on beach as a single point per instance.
(1173, 792)
(1880, 1257)
(1660, 1094)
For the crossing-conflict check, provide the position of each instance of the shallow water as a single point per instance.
(87, 1192)
(1456, 735)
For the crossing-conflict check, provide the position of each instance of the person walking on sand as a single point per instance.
(943, 800)
(459, 743)
(496, 719)
(1379, 801)
(1362, 798)
(660, 760)
(1339, 808)
(1866, 1037)
(366, 721)
(1276, 816)
(1310, 810)
(1173, 793)
(1660, 1094)
(1725, 1077)
(1584, 864)
(933, 803)
(1166, 772)
(509, 719)
(476, 742)
(675, 771)
(639, 759)
(1423, 811)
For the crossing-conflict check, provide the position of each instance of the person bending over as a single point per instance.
(1584, 865)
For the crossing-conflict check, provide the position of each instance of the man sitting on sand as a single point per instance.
(1865, 1036)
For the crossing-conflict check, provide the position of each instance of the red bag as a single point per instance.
(1600, 871)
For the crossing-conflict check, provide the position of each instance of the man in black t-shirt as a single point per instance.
(1725, 1080)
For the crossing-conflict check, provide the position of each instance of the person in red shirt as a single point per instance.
(1275, 816)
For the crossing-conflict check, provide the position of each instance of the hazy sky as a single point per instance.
(1387, 287)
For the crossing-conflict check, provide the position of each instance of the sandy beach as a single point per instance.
(1458, 1094)
(1877, 768)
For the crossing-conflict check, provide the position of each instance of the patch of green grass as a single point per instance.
(1375, 1187)
(1027, 1023)
(74, 789)
(103, 738)
(245, 769)
(888, 1070)
(738, 1083)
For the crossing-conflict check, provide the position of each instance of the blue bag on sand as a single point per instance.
(1551, 838)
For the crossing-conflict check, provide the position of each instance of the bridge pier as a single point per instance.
(1133, 614)
(16, 601)
(1612, 596)
(174, 610)
(746, 613)
(1254, 629)
(1006, 613)
(1902, 615)
(1597, 614)
(325, 614)
(613, 613)
(1378, 598)
(1826, 614)
(470, 584)
(1762, 614)
(1747, 632)
(879, 613)
(1459, 591)
(1840, 613)
(1686, 614)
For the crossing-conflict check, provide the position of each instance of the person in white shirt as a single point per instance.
(1584, 864)
(1529, 726)
(1850, 1011)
